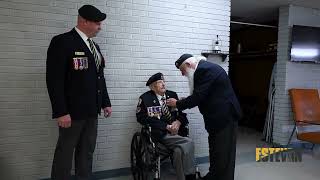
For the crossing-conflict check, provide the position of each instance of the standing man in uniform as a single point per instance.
(77, 90)
(212, 92)
(167, 125)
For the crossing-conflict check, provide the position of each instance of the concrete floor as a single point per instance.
(248, 169)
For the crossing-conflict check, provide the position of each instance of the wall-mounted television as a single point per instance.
(305, 44)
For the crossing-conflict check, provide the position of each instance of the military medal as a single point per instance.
(80, 63)
(85, 63)
(150, 112)
(75, 64)
(154, 111)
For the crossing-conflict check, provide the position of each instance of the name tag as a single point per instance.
(79, 53)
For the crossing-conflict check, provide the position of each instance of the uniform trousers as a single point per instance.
(222, 152)
(78, 140)
(183, 154)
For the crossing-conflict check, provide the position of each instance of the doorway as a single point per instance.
(252, 57)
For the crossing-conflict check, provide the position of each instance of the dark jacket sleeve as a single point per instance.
(182, 117)
(56, 73)
(178, 114)
(144, 119)
(200, 92)
(105, 96)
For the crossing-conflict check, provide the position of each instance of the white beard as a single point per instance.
(190, 76)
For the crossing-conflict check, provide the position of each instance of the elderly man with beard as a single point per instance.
(213, 94)
(167, 125)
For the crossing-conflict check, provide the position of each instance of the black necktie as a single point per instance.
(94, 53)
(165, 110)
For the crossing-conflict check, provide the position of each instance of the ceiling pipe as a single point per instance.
(252, 24)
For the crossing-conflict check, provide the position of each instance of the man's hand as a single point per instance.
(107, 111)
(64, 121)
(174, 127)
(172, 102)
(169, 128)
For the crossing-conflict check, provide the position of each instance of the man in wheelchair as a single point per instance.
(168, 125)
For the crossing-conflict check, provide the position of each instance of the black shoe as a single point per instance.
(208, 176)
(191, 177)
(198, 175)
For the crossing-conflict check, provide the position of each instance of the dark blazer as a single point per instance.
(147, 109)
(74, 84)
(214, 95)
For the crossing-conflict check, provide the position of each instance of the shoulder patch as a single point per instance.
(139, 105)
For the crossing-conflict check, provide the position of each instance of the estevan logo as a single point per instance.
(278, 155)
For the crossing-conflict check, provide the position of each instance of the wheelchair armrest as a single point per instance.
(146, 132)
(146, 129)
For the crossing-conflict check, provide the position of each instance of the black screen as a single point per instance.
(305, 44)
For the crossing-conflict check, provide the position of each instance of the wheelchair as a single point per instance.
(147, 154)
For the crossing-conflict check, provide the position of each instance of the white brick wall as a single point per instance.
(139, 38)
(292, 74)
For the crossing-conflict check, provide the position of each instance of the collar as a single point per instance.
(82, 34)
(197, 65)
(159, 97)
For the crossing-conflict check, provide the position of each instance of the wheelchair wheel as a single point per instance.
(135, 155)
(141, 158)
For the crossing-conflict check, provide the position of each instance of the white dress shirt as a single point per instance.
(85, 39)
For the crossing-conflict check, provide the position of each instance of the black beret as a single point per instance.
(154, 78)
(91, 13)
(181, 59)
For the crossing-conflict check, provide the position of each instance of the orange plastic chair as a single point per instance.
(306, 111)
